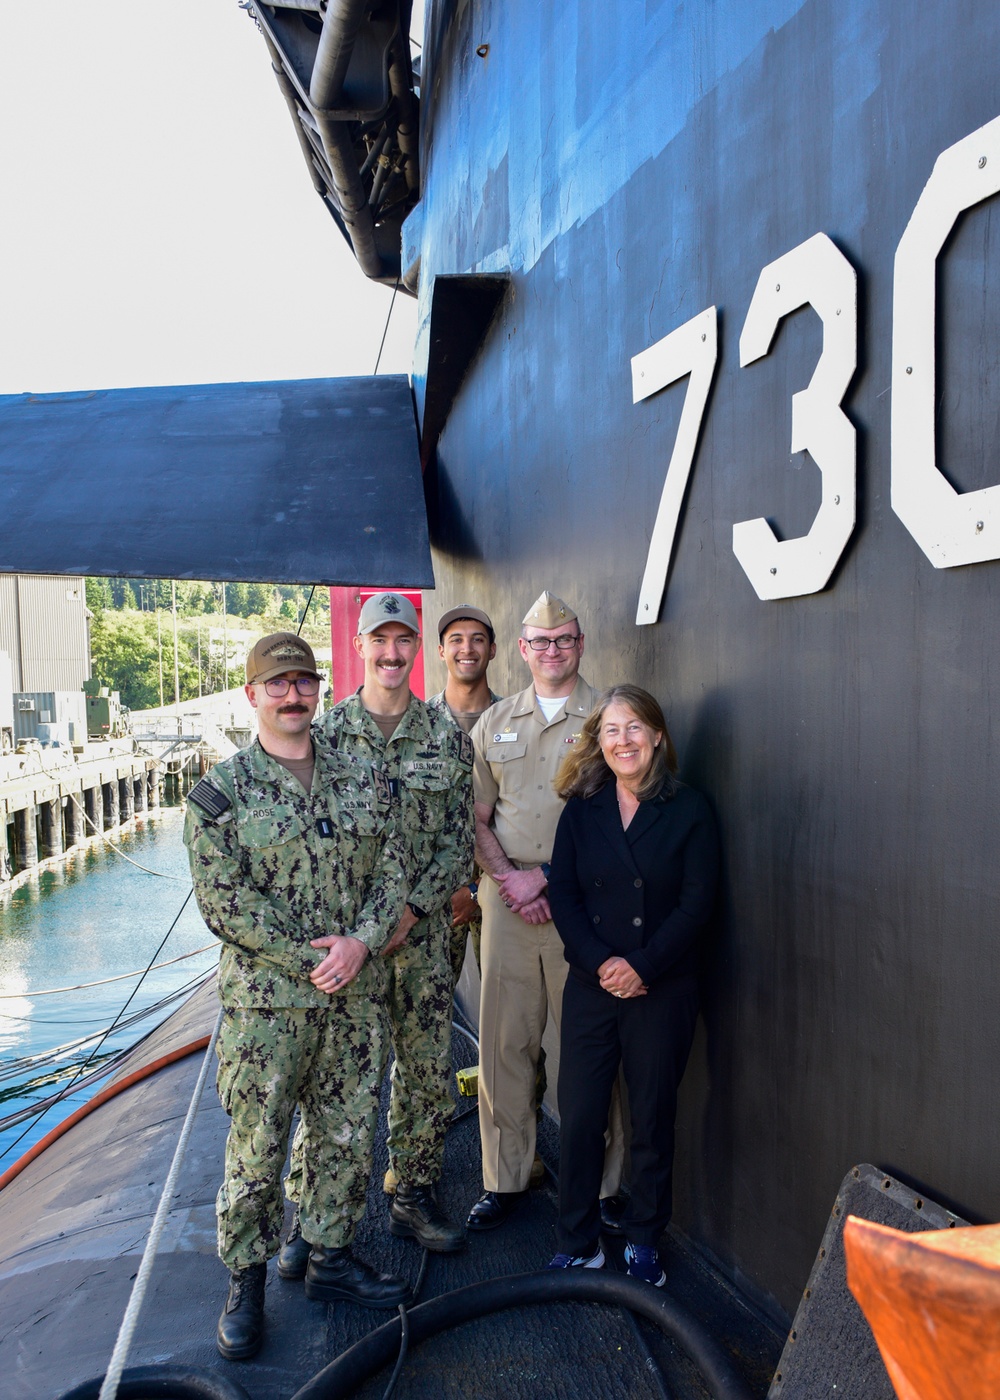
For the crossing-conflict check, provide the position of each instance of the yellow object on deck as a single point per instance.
(468, 1082)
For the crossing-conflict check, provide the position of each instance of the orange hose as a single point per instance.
(109, 1093)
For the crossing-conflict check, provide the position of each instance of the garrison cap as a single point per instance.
(381, 608)
(548, 611)
(277, 653)
(470, 614)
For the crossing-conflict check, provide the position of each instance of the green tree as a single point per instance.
(236, 598)
(124, 652)
(260, 597)
(99, 595)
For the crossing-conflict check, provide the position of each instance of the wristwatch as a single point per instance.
(473, 891)
(546, 870)
(417, 913)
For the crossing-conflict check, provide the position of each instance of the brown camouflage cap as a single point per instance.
(548, 611)
(277, 653)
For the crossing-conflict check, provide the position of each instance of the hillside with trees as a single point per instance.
(132, 632)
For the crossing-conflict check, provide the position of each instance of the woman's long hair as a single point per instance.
(583, 771)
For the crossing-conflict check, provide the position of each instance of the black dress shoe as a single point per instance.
(415, 1214)
(493, 1208)
(241, 1325)
(294, 1255)
(613, 1210)
(335, 1274)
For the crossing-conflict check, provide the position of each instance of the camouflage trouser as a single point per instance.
(328, 1061)
(419, 1003)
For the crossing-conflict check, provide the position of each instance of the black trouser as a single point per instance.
(650, 1037)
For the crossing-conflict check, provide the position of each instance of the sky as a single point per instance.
(158, 224)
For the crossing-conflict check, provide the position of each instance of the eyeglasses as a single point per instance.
(279, 685)
(565, 643)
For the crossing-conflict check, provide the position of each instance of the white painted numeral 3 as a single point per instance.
(814, 274)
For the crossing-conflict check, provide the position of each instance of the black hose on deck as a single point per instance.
(164, 1383)
(344, 1375)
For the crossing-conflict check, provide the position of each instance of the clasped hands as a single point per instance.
(342, 963)
(621, 979)
(523, 891)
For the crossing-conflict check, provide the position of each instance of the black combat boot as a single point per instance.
(415, 1214)
(241, 1325)
(294, 1254)
(333, 1274)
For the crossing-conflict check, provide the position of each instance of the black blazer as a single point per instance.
(645, 893)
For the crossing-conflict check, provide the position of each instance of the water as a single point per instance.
(92, 917)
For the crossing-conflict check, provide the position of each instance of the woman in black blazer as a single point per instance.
(633, 883)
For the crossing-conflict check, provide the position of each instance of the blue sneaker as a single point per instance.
(644, 1262)
(577, 1261)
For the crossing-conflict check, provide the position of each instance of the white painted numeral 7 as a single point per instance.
(814, 274)
(692, 349)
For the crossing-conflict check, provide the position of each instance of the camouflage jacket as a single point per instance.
(428, 761)
(439, 704)
(274, 866)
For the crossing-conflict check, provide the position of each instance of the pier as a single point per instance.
(52, 801)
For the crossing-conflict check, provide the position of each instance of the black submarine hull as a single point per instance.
(625, 170)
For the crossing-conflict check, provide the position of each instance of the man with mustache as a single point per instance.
(296, 871)
(427, 761)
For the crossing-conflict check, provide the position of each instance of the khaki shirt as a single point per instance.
(518, 753)
(428, 761)
(274, 866)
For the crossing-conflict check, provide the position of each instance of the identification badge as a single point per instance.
(505, 738)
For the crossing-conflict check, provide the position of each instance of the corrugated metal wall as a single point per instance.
(10, 627)
(48, 707)
(43, 629)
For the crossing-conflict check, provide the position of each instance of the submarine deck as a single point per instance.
(74, 1223)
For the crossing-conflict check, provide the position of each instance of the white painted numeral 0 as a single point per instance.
(951, 527)
(817, 274)
(691, 349)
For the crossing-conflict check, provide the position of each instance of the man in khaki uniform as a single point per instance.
(519, 744)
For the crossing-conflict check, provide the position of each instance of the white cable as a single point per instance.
(109, 1388)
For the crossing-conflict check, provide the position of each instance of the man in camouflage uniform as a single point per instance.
(466, 645)
(428, 762)
(293, 872)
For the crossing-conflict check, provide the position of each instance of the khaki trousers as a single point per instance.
(524, 971)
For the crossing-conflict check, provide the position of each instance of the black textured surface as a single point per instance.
(73, 1225)
(297, 481)
(830, 1349)
(633, 165)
